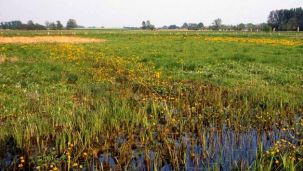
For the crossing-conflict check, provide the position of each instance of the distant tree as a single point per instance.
(193, 26)
(185, 26)
(292, 24)
(200, 25)
(241, 27)
(173, 27)
(52, 26)
(217, 24)
(250, 26)
(152, 27)
(12, 25)
(275, 19)
(264, 27)
(39, 27)
(47, 24)
(30, 25)
(59, 26)
(30, 22)
(286, 19)
(71, 24)
(143, 25)
(20, 26)
(147, 25)
(15, 25)
(228, 27)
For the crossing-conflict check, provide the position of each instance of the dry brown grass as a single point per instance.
(2, 59)
(47, 39)
(10, 59)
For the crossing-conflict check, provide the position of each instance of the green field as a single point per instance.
(141, 92)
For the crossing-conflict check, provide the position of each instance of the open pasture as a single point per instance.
(151, 99)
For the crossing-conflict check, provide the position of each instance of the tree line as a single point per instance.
(286, 20)
(189, 26)
(216, 25)
(30, 25)
(278, 20)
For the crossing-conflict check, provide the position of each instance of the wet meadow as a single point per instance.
(151, 100)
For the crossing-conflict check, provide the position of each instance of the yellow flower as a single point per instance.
(157, 75)
(284, 42)
(173, 120)
(193, 109)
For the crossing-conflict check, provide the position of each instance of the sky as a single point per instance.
(119, 13)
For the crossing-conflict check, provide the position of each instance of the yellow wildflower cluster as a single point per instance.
(283, 42)
(286, 150)
(67, 52)
(158, 75)
(119, 69)
(279, 147)
(21, 162)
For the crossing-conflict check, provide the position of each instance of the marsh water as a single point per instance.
(224, 150)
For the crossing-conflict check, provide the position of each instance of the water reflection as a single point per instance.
(224, 149)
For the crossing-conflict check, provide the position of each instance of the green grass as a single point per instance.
(89, 94)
